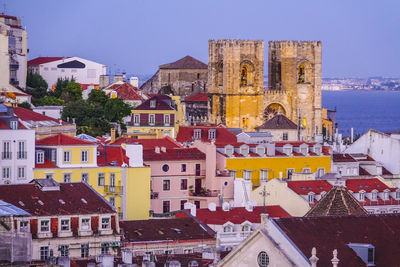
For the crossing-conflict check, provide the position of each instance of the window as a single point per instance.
(229, 151)
(101, 177)
(243, 77)
(183, 204)
(21, 172)
(386, 196)
(6, 172)
(6, 150)
(166, 206)
(397, 194)
(260, 151)
(263, 259)
(64, 250)
(112, 179)
(289, 173)
(45, 226)
(67, 177)
(153, 103)
(183, 184)
(197, 204)
(165, 167)
(105, 247)
(67, 156)
(301, 73)
(361, 196)
(212, 133)
(183, 167)
(197, 134)
(84, 250)
(112, 201)
(84, 156)
(105, 223)
(49, 176)
(285, 136)
(311, 198)
(44, 253)
(136, 119)
(306, 170)
(24, 226)
(166, 185)
(85, 224)
(40, 157)
(14, 125)
(320, 172)
(65, 225)
(244, 150)
(166, 119)
(317, 150)
(151, 119)
(85, 177)
(287, 150)
(304, 150)
(263, 175)
(227, 229)
(246, 228)
(374, 196)
(21, 150)
(246, 174)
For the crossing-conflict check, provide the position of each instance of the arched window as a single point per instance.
(301, 74)
(243, 76)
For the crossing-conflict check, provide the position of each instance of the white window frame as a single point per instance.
(247, 175)
(263, 175)
(6, 172)
(24, 228)
(103, 175)
(136, 119)
(153, 103)
(67, 156)
(14, 125)
(105, 225)
(67, 174)
(21, 153)
(88, 226)
(44, 252)
(68, 225)
(386, 195)
(40, 225)
(87, 177)
(84, 156)
(112, 179)
(397, 194)
(112, 200)
(285, 136)
(291, 173)
(361, 196)
(317, 150)
(21, 172)
(169, 185)
(167, 120)
(40, 157)
(320, 172)
(152, 119)
(64, 250)
(311, 198)
(197, 134)
(244, 150)
(374, 196)
(212, 134)
(288, 150)
(49, 175)
(306, 170)
(6, 150)
(229, 150)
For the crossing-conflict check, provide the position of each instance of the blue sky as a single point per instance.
(360, 37)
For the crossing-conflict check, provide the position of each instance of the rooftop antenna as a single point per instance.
(264, 194)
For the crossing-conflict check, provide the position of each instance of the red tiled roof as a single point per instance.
(62, 140)
(197, 98)
(336, 232)
(42, 60)
(161, 103)
(29, 115)
(166, 142)
(356, 185)
(223, 135)
(380, 202)
(156, 230)
(174, 154)
(46, 165)
(293, 143)
(305, 187)
(126, 91)
(70, 193)
(237, 215)
(342, 157)
(85, 86)
(111, 155)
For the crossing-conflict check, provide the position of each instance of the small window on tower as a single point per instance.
(301, 74)
(243, 78)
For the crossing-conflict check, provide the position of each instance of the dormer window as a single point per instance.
(14, 125)
(212, 133)
(361, 196)
(374, 196)
(228, 228)
(385, 195)
(260, 150)
(287, 150)
(40, 157)
(304, 150)
(379, 170)
(317, 150)
(153, 103)
(311, 198)
(397, 195)
(246, 228)
(197, 134)
(244, 150)
(229, 151)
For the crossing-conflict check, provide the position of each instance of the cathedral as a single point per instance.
(237, 97)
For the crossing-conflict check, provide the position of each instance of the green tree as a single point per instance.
(48, 101)
(25, 105)
(36, 85)
(72, 92)
(60, 85)
(115, 109)
(98, 97)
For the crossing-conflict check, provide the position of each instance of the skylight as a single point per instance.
(84, 200)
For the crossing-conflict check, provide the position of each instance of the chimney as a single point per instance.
(135, 154)
(314, 259)
(163, 149)
(118, 78)
(212, 206)
(335, 260)
(112, 135)
(104, 81)
(191, 207)
(157, 149)
(126, 256)
(123, 76)
(134, 81)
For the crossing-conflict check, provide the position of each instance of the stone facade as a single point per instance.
(185, 77)
(294, 72)
(235, 83)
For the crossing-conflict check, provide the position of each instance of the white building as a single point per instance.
(384, 148)
(17, 149)
(51, 68)
(51, 111)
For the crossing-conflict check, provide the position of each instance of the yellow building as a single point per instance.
(159, 116)
(259, 162)
(114, 172)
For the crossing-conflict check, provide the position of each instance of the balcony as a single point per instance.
(232, 237)
(112, 189)
(200, 173)
(204, 193)
(21, 155)
(154, 195)
(6, 155)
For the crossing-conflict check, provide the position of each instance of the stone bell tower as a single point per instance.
(294, 84)
(235, 83)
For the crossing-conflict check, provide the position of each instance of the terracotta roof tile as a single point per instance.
(62, 140)
(187, 62)
(279, 121)
(197, 98)
(109, 155)
(342, 157)
(42, 60)
(126, 91)
(223, 135)
(29, 115)
(166, 142)
(161, 103)
(356, 185)
(174, 154)
(46, 164)
(305, 187)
